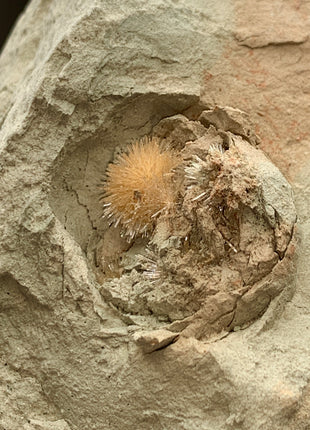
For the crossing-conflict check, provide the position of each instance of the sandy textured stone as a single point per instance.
(79, 81)
(230, 119)
(46, 425)
(272, 23)
(153, 340)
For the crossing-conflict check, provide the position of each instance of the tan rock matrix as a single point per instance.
(191, 322)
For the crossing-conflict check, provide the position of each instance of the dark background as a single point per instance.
(9, 12)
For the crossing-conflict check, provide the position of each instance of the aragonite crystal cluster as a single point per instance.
(139, 186)
(220, 220)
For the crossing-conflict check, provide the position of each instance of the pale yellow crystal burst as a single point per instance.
(139, 186)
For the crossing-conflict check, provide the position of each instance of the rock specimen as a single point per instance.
(98, 332)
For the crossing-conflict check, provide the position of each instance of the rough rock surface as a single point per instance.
(79, 80)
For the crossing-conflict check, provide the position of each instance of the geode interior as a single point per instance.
(218, 258)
